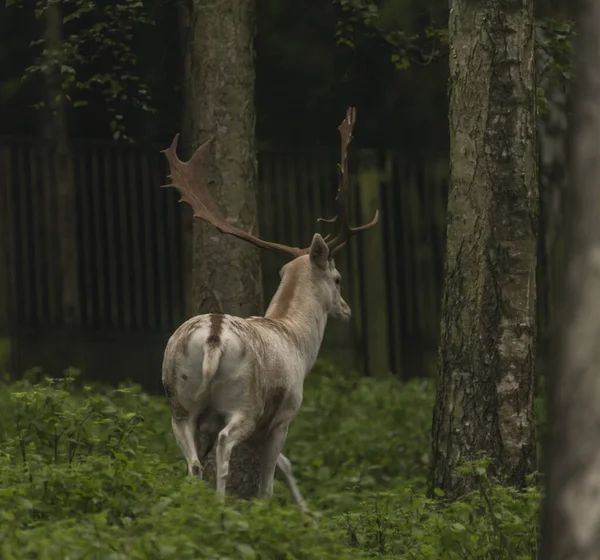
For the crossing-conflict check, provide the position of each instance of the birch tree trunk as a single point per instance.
(488, 331)
(219, 103)
(572, 523)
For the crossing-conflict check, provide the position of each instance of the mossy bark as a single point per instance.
(219, 104)
(488, 330)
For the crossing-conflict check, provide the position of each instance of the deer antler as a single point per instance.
(188, 178)
(342, 199)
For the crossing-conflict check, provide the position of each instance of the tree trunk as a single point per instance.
(56, 133)
(220, 101)
(488, 332)
(572, 528)
(552, 124)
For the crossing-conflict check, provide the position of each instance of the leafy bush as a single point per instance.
(94, 472)
(492, 522)
(357, 434)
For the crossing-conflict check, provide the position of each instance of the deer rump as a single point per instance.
(237, 368)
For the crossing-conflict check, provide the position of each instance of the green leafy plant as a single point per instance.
(95, 57)
(93, 472)
(360, 19)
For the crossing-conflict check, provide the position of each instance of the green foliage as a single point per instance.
(357, 434)
(492, 522)
(554, 42)
(95, 57)
(557, 41)
(94, 472)
(361, 18)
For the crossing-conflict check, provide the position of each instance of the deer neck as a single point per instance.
(299, 312)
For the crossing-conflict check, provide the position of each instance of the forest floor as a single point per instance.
(93, 472)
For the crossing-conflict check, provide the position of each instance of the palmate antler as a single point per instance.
(343, 195)
(188, 178)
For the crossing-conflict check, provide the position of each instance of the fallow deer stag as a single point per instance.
(234, 378)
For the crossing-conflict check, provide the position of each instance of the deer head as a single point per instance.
(321, 276)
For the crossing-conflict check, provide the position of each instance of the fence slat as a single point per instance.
(428, 263)
(113, 249)
(388, 222)
(67, 234)
(160, 200)
(267, 225)
(38, 231)
(149, 252)
(279, 201)
(375, 320)
(407, 246)
(48, 215)
(13, 256)
(354, 252)
(295, 201)
(124, 238)
(417, 245)
(101, 297)
(6, 253)
(307, 218)
(174, 247)
(317, 182)
(22, 190)
(87, 249)
(133, 190)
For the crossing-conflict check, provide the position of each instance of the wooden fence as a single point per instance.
(126, 273)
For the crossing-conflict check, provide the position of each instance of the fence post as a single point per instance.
(5, 184)
(7, 298)
(375, 323)
(389, 200)
(67, 233)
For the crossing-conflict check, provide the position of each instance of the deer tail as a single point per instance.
(210, 364)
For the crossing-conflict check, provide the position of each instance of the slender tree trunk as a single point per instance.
(220, 104)
(226, 272)
(553, 122)
(488, 332)
(56, 132)
(572, 528)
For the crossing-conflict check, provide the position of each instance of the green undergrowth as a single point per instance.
(91, 472)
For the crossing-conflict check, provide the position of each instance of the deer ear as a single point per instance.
(319, 252)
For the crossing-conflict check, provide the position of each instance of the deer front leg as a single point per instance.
(270, 456)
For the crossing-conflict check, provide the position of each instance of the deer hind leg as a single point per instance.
(237, 429)
(207, 430)
(271, 452)
(184, 430)
(284, 467)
